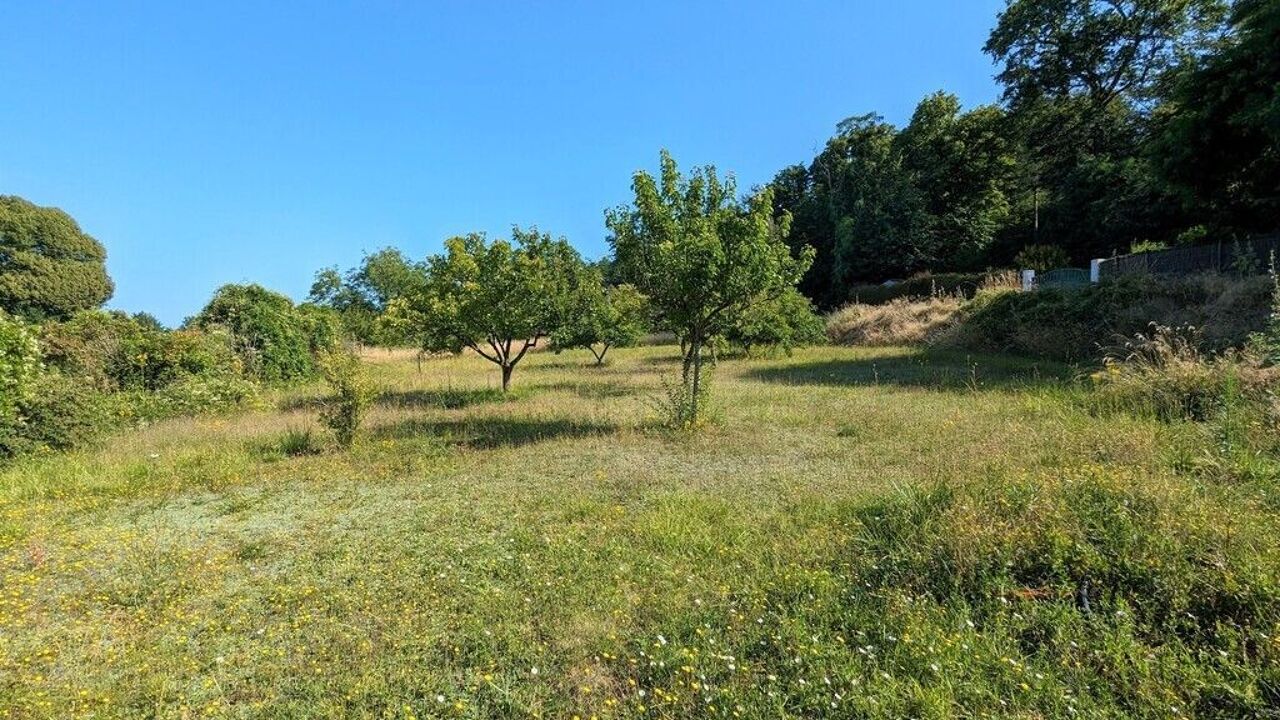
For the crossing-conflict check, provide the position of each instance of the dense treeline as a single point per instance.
(70, 370)
(1123, 123)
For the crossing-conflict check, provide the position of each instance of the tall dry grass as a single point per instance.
(898, 322)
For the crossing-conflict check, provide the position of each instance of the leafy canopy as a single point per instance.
(701, 255)
(497, 298)
(1100, 49)
(49, 268)
(611, 317)
(275, 338)
(704, 258)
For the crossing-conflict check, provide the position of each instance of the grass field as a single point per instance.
(864, 533)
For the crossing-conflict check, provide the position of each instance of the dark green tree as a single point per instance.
(49, 267)
(362, 294)
(1102, 50)
(1218, 138)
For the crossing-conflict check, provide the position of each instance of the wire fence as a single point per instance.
(1244, 257)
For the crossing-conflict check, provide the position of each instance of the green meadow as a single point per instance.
(858, 533)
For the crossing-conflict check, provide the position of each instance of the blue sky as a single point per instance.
(262, 141)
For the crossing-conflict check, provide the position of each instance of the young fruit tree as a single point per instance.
(609, 317)
(497, 298)
(703, 257)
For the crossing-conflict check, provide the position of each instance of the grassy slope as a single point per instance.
(553, 554)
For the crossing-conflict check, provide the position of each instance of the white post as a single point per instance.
(1028, 279)
(1095, 270)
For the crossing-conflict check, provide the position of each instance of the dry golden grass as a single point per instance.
(897, 322)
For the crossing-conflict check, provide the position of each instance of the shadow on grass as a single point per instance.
(592, 391)
(447, 398)
(491, 432)
(444, 398)
(944, 370)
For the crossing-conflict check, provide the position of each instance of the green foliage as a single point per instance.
(273, 338)
(19, 368)
(496, 298)
(362, 295)
(49, 268)
(785, 323)
(701, 256)
(1054, 50)
(186, 395)
(1076, 324)
(112, 351)
(1042, 258)
(353, 392)
(322, 326)
(60, 413)
(1218, 136)
(610, 317)
(1146, 246)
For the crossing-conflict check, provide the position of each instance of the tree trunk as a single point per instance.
(695, 349)
(506, 377)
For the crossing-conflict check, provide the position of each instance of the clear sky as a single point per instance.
(261, 141)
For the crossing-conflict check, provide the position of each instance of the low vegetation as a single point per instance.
(897, 322)
(1066, 324)
(927, 532)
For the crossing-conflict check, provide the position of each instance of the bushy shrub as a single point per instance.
(322, 326)
(273, 338)
(19, 368)
(353, 392)
(186, 395)
(61, 413)
(898, 322)
(785, 323)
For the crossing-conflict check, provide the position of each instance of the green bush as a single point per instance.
(784, 323)
(343, 413)
(60, 413)
(273, 337)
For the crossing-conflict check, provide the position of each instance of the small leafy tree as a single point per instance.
(497, 298)
(343, 413)
(608, 318)
(703, 257)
